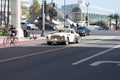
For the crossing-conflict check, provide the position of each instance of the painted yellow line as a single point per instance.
(29, 55)
(38, 53)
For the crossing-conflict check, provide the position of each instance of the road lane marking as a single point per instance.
(29, 55)
(93, 56)
(82, 44)
(103, 62)
(38, 53)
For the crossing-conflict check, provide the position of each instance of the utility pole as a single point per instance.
(5, 12)
(87, 16)
(51, 1)
(64, 12)
(8, 13)
(1, 11)
(43, 18)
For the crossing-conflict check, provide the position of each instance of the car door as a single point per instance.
(72, 36)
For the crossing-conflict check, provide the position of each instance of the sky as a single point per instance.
(108, 4)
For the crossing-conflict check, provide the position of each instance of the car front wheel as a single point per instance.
(49, 43)
(67, 41)
(78, 40)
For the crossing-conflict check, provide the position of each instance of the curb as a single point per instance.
(24, 41)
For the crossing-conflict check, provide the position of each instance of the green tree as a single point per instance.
(24, 10)
(52, 13)
(116, 17)
(35, 7)
(111, 16)
(102, 24)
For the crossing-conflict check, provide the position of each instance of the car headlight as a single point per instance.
(83, 31)
(47, 37)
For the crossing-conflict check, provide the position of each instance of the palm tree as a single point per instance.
(116, 17)
(52, 14)
(1, 14)
(110, 18)
(5, 12)
(8, 13)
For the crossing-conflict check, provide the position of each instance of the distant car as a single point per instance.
(63, 36)
(27, 26)
(50, 27)
(82, 31)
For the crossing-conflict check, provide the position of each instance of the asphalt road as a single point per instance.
(89, 60)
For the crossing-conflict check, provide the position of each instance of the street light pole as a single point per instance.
(1, 12)
(87, 16)
(64, 12)
(43, 19)
(8, 14)
(51, 1)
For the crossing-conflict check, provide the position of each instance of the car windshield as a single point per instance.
(80, 28)
(65, 30)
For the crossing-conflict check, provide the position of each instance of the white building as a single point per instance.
(81, 11)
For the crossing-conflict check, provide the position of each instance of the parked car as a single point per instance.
(63, 36)
(82, 31)
(49, 27)
(27, 26)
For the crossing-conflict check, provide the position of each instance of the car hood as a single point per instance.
(59, 34)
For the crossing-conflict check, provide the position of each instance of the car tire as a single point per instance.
(89, 33)
(85, 34)
(67, 41)
(78, 40)
(49, 43)
(28, 28)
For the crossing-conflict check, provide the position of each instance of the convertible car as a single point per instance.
(65, 36)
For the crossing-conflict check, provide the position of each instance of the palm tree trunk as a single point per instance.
(8, 14)
(1, 14)
(5, 12)
(116, 24)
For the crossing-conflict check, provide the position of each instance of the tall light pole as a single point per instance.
(51, 1)
(87, 15)
(8, 13)
(1, 11)
(64, 12)
(43, 18)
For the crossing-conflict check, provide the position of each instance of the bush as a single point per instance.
(3, 31)
(102, 24)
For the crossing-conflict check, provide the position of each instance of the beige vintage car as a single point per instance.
(65, 36)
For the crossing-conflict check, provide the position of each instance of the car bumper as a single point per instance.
(56, 40)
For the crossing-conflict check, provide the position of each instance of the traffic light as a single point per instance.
(45, 6)
(53, 4)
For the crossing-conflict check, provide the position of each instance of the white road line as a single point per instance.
(104, 62)
(90, 57)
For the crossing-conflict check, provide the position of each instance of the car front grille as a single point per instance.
(53, 37)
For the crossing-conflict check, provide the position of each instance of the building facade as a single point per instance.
(4, 8)
(83, 12)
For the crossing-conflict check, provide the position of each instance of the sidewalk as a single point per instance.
(23, 40)
(102, 37)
